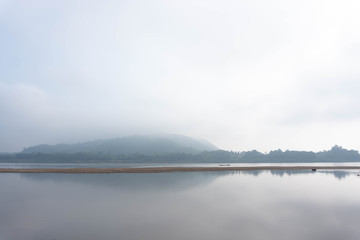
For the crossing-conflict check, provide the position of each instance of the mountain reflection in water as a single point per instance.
(196, 205)
(175, 179)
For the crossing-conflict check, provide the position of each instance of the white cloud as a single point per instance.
(243, 74)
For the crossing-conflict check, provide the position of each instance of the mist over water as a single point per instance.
(216, 205)
(249, 77)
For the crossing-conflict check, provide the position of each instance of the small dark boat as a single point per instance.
(314, 169)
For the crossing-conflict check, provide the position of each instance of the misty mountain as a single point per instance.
(167, 149)
(148, 145)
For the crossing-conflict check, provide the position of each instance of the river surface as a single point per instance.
(142, 165)
(181, 205)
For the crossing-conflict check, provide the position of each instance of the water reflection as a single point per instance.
(178, 180)
(339, 174)
(204, 205)
(142, 181)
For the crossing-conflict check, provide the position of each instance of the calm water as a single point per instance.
(120, 165)
(156, 206)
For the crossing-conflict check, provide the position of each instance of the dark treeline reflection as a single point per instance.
(198, 205)
(178, 180)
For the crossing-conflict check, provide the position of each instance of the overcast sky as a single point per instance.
(252, 74)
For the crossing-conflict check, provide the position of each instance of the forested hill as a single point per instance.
(147, 145)
(336, 154)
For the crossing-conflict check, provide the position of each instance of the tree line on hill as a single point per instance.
(336, 154)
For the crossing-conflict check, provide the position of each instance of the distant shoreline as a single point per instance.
(170, 169)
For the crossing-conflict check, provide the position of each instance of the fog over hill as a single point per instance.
(167, 149)
(140, 144)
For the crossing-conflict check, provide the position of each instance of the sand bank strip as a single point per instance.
(169, 169)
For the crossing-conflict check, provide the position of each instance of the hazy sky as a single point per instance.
(245, 75)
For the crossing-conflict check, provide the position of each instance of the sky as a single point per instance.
(244, 75)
